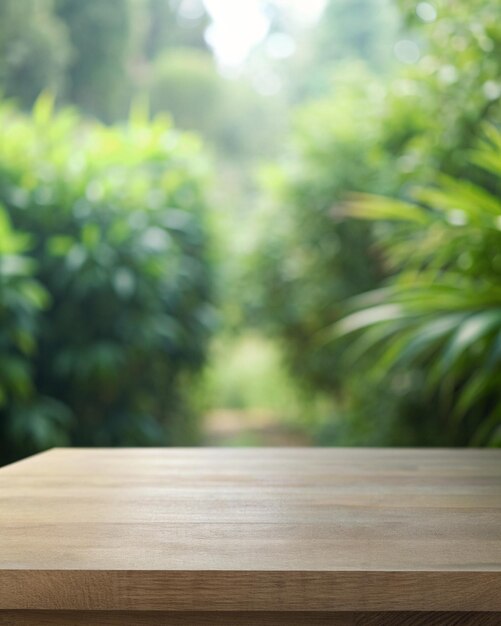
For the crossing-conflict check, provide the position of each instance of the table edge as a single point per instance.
(217, 590)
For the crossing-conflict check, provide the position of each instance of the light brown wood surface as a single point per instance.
(252, 530)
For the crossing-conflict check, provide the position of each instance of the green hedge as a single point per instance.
(109, 312)
(380, 135)
(311, 258)
(440, 315)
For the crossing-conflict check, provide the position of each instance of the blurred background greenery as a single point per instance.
(266, 222)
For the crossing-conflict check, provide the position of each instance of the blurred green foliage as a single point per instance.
(21, 298)
(182, 79)
(246, 372)
(170, 24)
(34, 52)
(358, 29)
(310, 259)
(377, 134)
(106, 277)
(100, 55)
(96, 73)
(93, 54)
(441, 312)
(106, 280)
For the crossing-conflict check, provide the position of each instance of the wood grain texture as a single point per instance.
(160, 618)
(252, 529)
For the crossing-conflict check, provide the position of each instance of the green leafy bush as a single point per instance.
(380, 135)
(312, 257)
(441, 313)
(115, 218)
(21, 298)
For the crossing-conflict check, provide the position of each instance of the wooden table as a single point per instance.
(251, 536)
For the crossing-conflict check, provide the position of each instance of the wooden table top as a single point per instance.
(240, 529)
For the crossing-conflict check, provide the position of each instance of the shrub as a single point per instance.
(440, 316)
(21, 298)
(379, 136)
(116, 220)
(311, 257)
